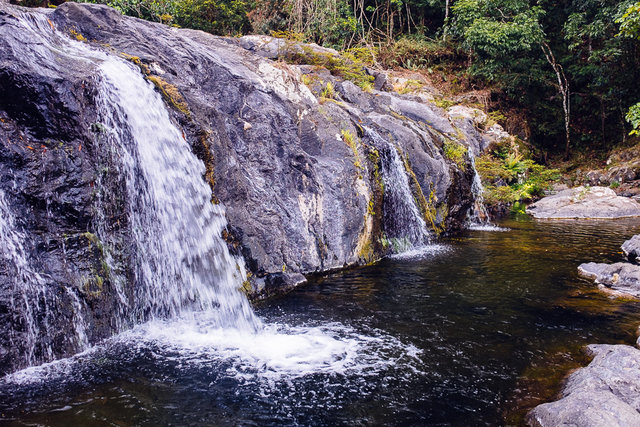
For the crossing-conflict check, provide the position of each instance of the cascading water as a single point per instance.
(402, 219)
(181, 262)
(31, 299)
(478, 215)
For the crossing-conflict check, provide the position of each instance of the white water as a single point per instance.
(478, 216)
(181, 262)
(187, 280)
(29, 295)
(402, 217)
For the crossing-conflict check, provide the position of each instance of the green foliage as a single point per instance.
(415, 52)
(223, 17)
(633, 117)
(328, 91)
(630, 21)
(497, 32)
(508, 177)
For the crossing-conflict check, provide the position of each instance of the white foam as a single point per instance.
(487, 227)
(421, 252)
(277, 351)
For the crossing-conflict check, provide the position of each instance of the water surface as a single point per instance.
(475, 331)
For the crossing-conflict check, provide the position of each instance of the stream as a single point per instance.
(475, 330)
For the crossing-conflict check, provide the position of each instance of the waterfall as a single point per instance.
(30, 300)
(478, 215)
(181, 263)
(181, 266)
(403, 220)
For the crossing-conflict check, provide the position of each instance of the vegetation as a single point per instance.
(455, 152)
(509, 178)
(563, 73)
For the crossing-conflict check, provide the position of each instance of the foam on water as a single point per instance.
(277, 353)
(421, 252)
(487, 227)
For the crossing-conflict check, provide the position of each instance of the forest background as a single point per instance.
(562, 75)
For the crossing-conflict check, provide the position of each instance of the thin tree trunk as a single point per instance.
(446, 19)
(563, 88)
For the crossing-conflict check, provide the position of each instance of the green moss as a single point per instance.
(76, 35)
(366, 252)
(456, 153)
(428, 207)
(92, 238)
(350, 65)
(444, 103)
(171, 94)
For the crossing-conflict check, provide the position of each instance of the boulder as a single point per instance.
(606, 393)
(631, 248)
(620, 277)
(585, 202)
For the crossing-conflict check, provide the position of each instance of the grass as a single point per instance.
(351, 142)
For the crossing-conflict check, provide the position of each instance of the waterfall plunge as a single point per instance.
(181, 262)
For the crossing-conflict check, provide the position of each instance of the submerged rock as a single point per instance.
(631, 248)
(620, 277)
(606, 393)
(585, 202)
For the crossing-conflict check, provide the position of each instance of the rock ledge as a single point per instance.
(585, 202)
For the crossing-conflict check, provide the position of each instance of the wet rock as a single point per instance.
(631, 248)
(585, 202)
(606, 393)
(621, 277)
(299, 195)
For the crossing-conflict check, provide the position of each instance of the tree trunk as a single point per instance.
(446, 19)
(563, 89)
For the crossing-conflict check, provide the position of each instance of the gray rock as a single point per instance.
(298, 199)
(631, 248)
(620, 277)
(606, 393)
(585, 202)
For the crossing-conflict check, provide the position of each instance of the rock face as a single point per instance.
(604, 394)
(620, 277)
(585, 202)
(299, 175)
(631, 248)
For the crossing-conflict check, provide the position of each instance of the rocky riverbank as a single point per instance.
(607, 392)
(585, 202)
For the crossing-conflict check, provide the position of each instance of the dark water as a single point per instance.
(476, 333)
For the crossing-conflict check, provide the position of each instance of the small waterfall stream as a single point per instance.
(30, 301)
(402, 218)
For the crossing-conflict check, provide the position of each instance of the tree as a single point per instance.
(502, 36)
(630, 27)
